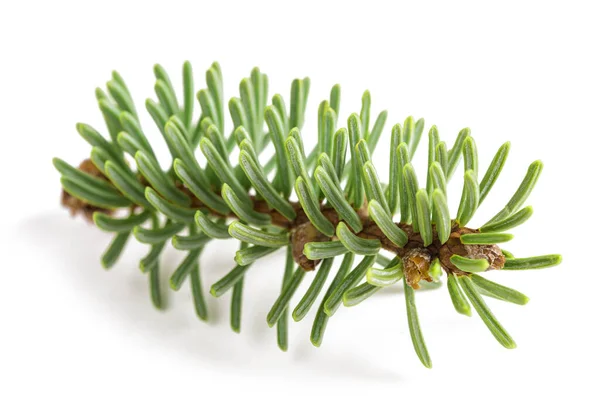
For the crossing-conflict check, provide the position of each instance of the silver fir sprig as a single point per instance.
(319, 204)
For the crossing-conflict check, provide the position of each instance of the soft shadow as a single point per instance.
(75, 247)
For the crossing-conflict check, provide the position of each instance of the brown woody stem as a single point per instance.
(416, 257)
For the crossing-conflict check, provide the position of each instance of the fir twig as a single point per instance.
(343, 209)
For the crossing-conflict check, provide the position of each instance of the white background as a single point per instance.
(520, 71)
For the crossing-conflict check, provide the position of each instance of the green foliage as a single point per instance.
(424, 217)
(279, 308)
(261, 183)
(312, 208)
(284, 298)
(384, 221)
(322, 317)
(242, 209)
(441, 215)
(356, 244)
(313, 291)
(157, 235)
(510, 222)
(365, 290)
(324, 250)
(335, 196)
(343, 208)
(492, 289)
(387, 276)
(459, 301)
(532, 262)
(190, 242)
(469, 264)
(469, 200)
(485, 238)
(484, 312)
(249, 255)
(352, 279)
(415, 327)
(248, 234)
(114, 249)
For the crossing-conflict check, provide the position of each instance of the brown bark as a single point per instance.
(415, 255)
(77, 206)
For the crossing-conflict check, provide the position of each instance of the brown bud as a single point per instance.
(490, 252)
(416, 266)
(77, 206)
